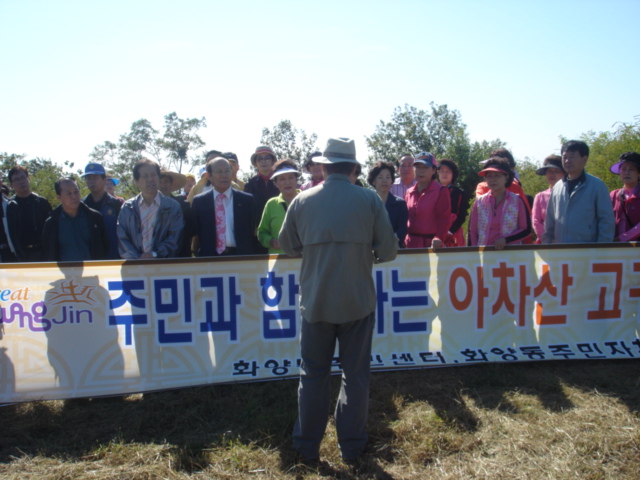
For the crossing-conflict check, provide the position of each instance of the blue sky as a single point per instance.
(77, 73)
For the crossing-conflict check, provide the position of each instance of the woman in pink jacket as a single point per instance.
(498, 217)
(552, 169)
(429, 206)
(626, 200)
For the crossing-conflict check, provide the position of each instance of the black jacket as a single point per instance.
(203, 214)
(22, 225)
(99, 238)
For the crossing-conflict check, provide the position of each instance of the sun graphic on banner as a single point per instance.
(70, 292)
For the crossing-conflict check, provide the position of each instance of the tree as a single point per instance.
(180, 137)
(439, 131)
(289, 142)
(605, 149)
(412, 130)
(43, 173)
(532, 183)
(177, 145)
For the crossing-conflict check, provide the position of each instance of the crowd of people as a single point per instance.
(177, 215)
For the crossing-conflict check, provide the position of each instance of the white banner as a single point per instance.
(104, 328)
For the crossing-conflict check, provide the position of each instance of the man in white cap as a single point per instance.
(341, 230)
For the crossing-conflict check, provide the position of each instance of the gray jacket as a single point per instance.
(167, 233)
(582, 217)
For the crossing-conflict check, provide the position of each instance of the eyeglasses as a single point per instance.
(267, 158)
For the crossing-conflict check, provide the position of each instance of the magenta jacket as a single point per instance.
(627, 214)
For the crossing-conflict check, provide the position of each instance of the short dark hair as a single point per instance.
(453, 166)
(630, 157)
(307, 163)
(503, 164)
(342, 168)
(60, 181)
(575, 146)
(16, 169)
(504, 153)
(377, 168)
(143, 162)
(232, 157)
(212, 154)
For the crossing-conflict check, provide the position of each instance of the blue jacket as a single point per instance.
(584, 216)
(167, 233)
(109, 206)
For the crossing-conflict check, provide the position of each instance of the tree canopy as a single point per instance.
(289, 142)
(604, 150)
(176, 148)
(606, 147)
(439, 131)
(43, 173)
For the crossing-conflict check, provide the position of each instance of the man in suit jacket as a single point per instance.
(225, 225)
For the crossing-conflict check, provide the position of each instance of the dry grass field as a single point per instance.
(547, 420)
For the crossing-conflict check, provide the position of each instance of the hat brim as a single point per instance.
(327, 160)
(114, 180)
(285, 170)
(543, 170)
(94, 173)
(615, 168)
(484, 172)
(428, 163)
(263, 152)
(178, 180)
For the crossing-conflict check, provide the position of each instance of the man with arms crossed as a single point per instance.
(341, 230)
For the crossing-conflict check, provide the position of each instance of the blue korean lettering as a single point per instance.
(400, 303)
(614, 350)
(276, 368)
(220, 322)
(402, 358)
(561, 350)
(242, 367)
(474, 355)
(507, 354)
(431, 357)
(127, 298)
(171, 304)
(279, 316)
(590, 350)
